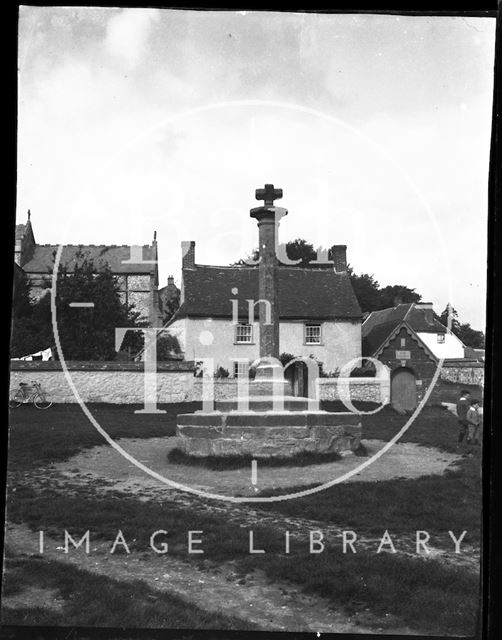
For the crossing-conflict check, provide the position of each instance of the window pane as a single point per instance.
(240, 370)
(243, 333)
(313, 333)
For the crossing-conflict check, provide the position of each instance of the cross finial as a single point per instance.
(268, 194)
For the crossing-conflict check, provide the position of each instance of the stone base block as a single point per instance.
(267, 434)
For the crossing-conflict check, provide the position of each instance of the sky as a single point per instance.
(377, 128)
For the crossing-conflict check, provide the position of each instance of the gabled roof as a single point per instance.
(42, 260)
(379, 325)
(304, 293)
(20, 231)
(25, 230)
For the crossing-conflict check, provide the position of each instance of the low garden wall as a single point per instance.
(123, 383)
(463, 372)
(362, 389)
(107, 382)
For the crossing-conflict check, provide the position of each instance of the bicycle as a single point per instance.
(26, 394)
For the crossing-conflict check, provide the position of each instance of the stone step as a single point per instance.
(264, 403)
(253, 419)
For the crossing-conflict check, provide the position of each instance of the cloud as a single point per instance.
(127, 33)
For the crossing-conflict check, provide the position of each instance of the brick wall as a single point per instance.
(419, 362)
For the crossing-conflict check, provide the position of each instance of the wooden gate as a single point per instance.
(404, 389)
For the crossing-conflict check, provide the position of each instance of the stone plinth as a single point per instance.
(267, 434)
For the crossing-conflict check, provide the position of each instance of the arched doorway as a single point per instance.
(297, 376)
(403, 392)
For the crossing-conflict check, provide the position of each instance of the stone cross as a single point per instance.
(268, 194)
(267, 272)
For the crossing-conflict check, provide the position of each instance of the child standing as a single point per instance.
(462, 409)
(474, 423)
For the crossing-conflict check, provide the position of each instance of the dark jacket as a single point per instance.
(462, 408)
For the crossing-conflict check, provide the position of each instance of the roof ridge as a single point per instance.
(411, 305)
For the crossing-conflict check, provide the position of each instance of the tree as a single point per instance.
(167, 345)
(31, 328)
(169, 308)
(366, 289)
(395, 294)
(298, 249)
(471, 337)
(301, 250)
(89, 333)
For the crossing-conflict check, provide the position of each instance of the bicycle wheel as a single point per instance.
(16, 400)
(40, 401)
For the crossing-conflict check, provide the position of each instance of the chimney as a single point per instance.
(427, 309)
(339, 257)
(170, 281)
(188, 253)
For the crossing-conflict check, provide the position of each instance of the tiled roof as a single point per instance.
(20, 231)
(303, 293)
(379, 325)
(42, 260)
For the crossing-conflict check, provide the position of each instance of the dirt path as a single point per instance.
(403, 460)
(277, 606)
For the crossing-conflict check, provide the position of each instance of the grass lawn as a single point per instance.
(420, 592)
(120, 604)
(448, 502)
(40, 437)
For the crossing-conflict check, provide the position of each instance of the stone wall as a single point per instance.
(123, 383)
(463, 372)
(362, 389)
(107, 382)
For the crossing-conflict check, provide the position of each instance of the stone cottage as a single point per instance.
(319, 315)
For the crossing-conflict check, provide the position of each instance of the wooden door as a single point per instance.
(404, 390)
(297, 374)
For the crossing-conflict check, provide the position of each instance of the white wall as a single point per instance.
(452, 347)
(341, 341)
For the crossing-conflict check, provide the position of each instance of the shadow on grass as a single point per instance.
(216, 463)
